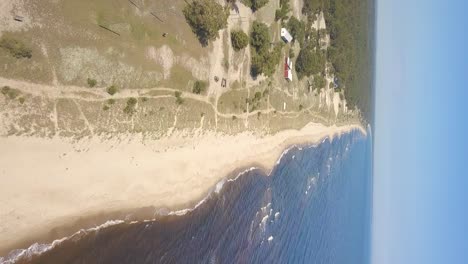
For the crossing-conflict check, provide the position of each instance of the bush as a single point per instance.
(21, 100)
(179, 99)
(130, 108)
(112, 90)
(206, 18)
(111, 101)
(199, 87)
(105, 107)
(309, 62)
(91, 82)
(16, 48)
(239, 39)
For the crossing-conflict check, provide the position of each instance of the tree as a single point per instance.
(309, 62)
(239, 39)
(206, 18)
(297, 29)
(260, 36)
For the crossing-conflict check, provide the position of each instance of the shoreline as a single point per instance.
(101, 179)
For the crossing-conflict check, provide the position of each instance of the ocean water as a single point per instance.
(313, 208)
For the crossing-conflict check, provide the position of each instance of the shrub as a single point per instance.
(131, 105)
(199, 87)
(105, 107)
(10, 93)
(239, 39)
(16, 48)
(178, 96)
(111, 101)
(5, 90)
(91, 82)
(144, 99)
(21, 100)
(112, 90)
(206, 18)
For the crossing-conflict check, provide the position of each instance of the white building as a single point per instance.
(285, 35)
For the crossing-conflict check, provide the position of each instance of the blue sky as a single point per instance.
(420, 203)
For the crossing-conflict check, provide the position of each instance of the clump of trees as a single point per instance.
(206, 18)
(282, 12)
(130, 107)
(199, 87)
(239, 39)
(255, 4)
(309, 62)
(264, 59)
(16, 48)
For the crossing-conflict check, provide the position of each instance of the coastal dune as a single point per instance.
(46, 183)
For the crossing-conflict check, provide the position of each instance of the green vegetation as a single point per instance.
(239, 39)
(144, 99)
(112, 90)
(179, 99)
(297, 29)
(255, 4)
(309, 62)
(199, 87)
(16, 48)
(111, 101)
(130, 108)
(350, 50)
(264, 60)
(21, 100)
(319, 82)
(10, 92)
(91, 82)
(206, 18)
(105, 107)
(282, 13)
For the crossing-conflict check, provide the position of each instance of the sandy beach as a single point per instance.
(49, 182)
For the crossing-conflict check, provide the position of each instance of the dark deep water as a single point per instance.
(314, 208)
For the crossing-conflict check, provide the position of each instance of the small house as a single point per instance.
(285, 36)
(288, 69)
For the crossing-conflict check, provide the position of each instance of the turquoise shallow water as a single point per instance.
(313, 208)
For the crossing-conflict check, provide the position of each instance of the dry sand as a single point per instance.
(44, 181)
